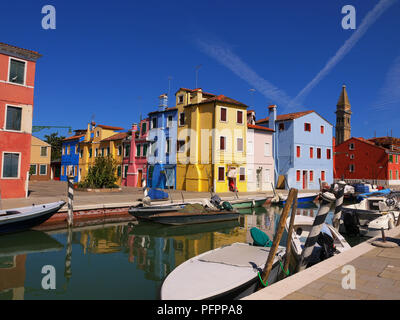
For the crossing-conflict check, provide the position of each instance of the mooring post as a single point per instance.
(383, 235)
(70, 200)
(339, 194)
(289, 236)
(68, 256)
(326, 200)
(278, 235)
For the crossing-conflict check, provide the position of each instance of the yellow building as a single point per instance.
(211, 146)
(40, 160)
(101, 140)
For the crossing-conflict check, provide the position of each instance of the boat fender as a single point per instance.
(260, 238)
(227, 206)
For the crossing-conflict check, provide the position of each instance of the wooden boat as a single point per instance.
(229, 272)
(183, 218)
(249, 202)
(301, 229)
(303, 197)
(149, 210)
(19, 219)
(163, 231)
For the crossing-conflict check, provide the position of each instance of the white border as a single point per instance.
(43, 174)
(19, 165)
(9, 70)
(5, 118)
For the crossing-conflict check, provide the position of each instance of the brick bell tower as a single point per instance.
(343, 117)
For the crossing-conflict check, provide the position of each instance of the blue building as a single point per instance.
(303, 148)
(161, 171)
(70, 154)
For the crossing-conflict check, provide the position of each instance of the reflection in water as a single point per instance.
(119, 261)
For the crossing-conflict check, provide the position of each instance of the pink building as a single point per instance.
(135, 155)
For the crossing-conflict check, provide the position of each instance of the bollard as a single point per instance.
(383, 235)
(289, 236)
(70, 200)
(277, 238)
(339, 194)
(326, 200)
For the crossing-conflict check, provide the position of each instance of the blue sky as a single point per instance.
(112, 59)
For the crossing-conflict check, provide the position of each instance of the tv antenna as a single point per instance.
(197, 74)
(252, 96)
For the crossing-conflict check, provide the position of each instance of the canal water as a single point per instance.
(118, 261)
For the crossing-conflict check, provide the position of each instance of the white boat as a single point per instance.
(371, 213)
(19, 219)
(301, 230)
(227, 272)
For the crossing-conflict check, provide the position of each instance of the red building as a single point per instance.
(17, 78)
(375, 160)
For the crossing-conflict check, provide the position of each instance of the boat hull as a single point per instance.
(302, 199)
(190, 218)
(27, 222)
(249, 203)
(147, 211)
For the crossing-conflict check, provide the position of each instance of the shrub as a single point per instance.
(101, 174)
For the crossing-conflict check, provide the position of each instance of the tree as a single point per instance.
(102, 174)
(56, 144)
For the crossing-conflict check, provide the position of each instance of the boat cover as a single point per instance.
(238, 255)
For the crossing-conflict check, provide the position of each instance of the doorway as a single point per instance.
(140, 177)
(259, 178)
(305, 180)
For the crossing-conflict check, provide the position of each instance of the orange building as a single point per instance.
(17, 79)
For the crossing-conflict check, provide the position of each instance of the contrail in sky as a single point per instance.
(390, 92)
(227, 58)
(368, 20)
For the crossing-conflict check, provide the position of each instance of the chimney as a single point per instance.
(163, 102)
(198, 95)
(272, 116)
(88, 133)
(251, 117)
(134, 127)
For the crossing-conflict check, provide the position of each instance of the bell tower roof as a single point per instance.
(344, 102)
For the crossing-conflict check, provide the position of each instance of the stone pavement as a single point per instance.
(51, 191)
(377, 276)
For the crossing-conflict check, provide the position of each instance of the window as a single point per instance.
(328, 153)
(42, 169)
(76, 149)
(322, 175)
(144, 127)
(239, 117)
(397, 174)
(68, 149)
(311, 152)
(169, 122)
(153, 123)
(97, 133)
(267, 175)
(108, 151)
(250, 175)
(390, 158)
(180, 146)
(102, 152)
(223, 114)
(318, 153)
(182, 119)
(298, 176)
(81, 154)
(311, 175)
(138, 150)
(144, 152)
(267, 149)
(351, 146)
(390, 174)
(397, 160)
(119, 171)
(352, 156)
(63, 150)
(62, 170)
(322, 129)
(33, 169)
(168, 145)
(307, 127)
(127, 150)
(125, 171)
(351, 168)
(10, 165)
(250, 149)
(43, 151)
(90, 152)
(298, 153)
(17, 71)
(221, 173)
(281, 126)
(119, 150)
(222, 141)
(242, 174)
(13, 118)
(180, 99)
(239, 144)
(96, 152)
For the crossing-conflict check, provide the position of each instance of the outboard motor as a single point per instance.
(351, 223)
(327, 247)
(216, 201)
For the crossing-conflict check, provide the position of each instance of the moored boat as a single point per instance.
(249, 202)
(228, 272)
(302, 197)
(152, 209)
(20, 219)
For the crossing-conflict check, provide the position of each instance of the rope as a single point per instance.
(266, 282)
